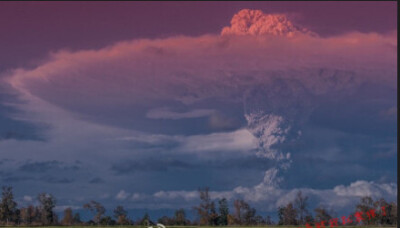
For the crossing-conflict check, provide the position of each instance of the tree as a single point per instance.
(203, 210)
(287, 215)
(28, 215)
(213, 215)
(77, 219)
(107, 221)
(309, 219)
(180, 217)
(68, 217)
(300, 204)
(280, 215)
(145, 221)
(165, 220)
(381, 217)
(237, 205)
(268, 221)
(38, 218)
(119, 211)
(121, 215)
(322, 214)
(388, 215)
(47, 204)
(243, 213)
(16, 218)
(8, 207)
(392, 212)
(223, 212)
(365, 205)
(94, 206)
(231, 220)
(249, 215)
(259, 220)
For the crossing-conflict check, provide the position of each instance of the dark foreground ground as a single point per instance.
(116, 226)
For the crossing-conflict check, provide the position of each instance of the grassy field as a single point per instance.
(116, 226)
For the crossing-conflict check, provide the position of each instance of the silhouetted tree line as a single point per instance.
(367, 211)
(243, 213)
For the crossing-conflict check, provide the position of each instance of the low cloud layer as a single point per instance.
(267, 196)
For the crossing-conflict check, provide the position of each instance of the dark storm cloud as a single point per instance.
(244, 163)
(45, 179)
(337, 112)
(15, 178)
(156, 165)
(46, 166)
(165, 165)
(96, 180)
(56, 180)
(51, 172)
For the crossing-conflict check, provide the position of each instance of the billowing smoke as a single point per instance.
(269, 131)
(255, 22)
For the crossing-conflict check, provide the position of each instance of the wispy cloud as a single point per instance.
(166, 113)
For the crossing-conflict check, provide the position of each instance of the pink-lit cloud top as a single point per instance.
(188, 69)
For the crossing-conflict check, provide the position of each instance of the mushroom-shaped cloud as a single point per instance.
(256, 22)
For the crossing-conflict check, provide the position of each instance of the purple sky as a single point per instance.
(31, 29)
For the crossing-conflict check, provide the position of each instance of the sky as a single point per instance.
(142, 103)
